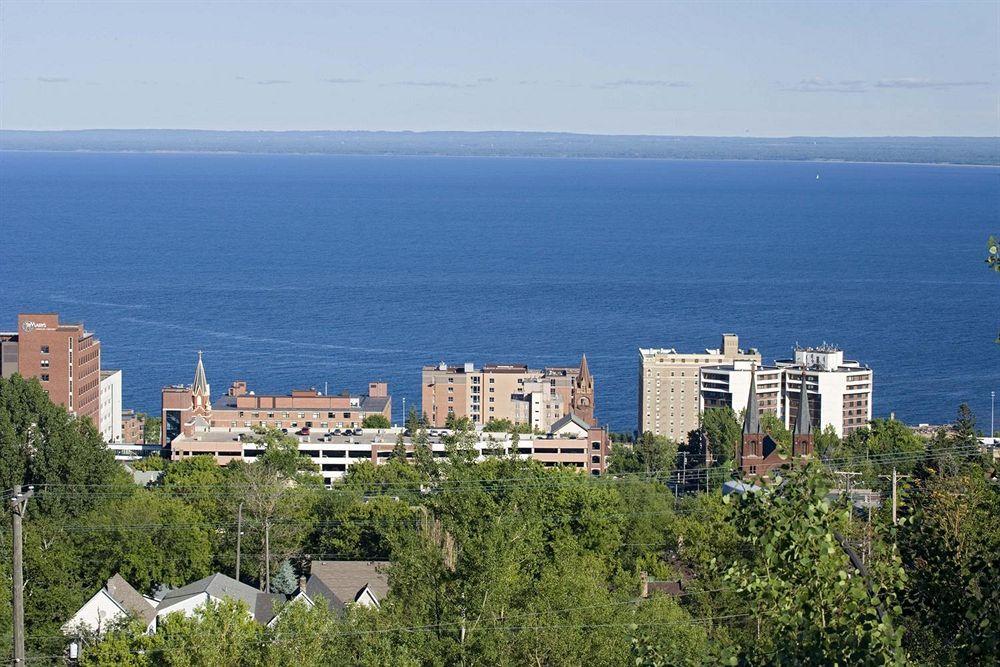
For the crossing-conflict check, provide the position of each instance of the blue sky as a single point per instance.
(761, 69)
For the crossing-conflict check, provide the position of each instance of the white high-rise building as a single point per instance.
(840, 390)
(111, 406)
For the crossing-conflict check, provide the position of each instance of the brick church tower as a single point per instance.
(582, 404)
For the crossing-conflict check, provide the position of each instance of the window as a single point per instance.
(45, 377)
(45, 349)
(45, 363)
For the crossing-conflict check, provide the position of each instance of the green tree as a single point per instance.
(949, 544)
(777, 430)
(151, 429)
(375, 421)
(879, 446)
(724, 432)
(827, 442)
(222, 633)
(416, 420)
(802, 582)
(278, 492)
(149, 539)
(650, 454)
(41, 444)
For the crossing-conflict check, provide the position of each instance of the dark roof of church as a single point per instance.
(751, 423)
(803, 420)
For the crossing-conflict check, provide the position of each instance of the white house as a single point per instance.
(571, 426)
(217, 587)
(116, 601)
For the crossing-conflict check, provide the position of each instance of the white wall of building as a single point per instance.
(95, 615)
(111, 406)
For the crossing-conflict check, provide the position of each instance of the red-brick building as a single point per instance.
(65, 358)
(759, 452)
(185, 409)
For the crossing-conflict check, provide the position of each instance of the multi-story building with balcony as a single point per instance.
(515, 392)
(839, 390)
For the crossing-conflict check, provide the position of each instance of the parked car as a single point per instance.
(304, 430)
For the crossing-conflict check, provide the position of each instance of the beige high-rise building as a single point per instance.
(669, 385)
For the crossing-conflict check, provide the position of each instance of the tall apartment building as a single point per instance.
(670, 384)
(111, 406)
(187, 409)
(539, 397)
(65, 358)
(839, 390)
(728, 385)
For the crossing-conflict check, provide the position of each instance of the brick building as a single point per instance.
(571, 443)
(65, 358)
(186, 409)
(523, 395)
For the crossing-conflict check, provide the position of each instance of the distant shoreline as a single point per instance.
(950, 151)
(976, 165)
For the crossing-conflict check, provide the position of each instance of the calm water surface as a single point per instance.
(304, 270)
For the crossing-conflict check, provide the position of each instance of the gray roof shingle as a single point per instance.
(340, 582)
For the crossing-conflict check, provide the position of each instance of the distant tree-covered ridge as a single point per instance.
(937, 150)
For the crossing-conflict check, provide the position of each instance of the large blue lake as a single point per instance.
(305, 270)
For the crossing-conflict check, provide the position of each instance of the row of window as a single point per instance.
(301, 415)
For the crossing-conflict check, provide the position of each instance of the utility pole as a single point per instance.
(267, 556)
(239, 537)
(993, 396)
(850, 499)
(18, 506)
(895, 494)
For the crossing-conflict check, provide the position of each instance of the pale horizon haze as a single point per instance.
(732, 69)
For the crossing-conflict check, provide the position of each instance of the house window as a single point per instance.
(45, 349)
(45, 363)
(45, 377)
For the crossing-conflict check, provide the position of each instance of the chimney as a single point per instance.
(302, 584)
(643, 584)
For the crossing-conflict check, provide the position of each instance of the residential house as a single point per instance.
(116, 601)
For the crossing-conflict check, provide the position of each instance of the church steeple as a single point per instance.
(200, 391)
(584, 370)
(802, 434)
(751, 422)
(803, 420)
(582, 402)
